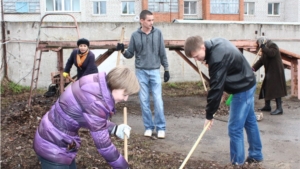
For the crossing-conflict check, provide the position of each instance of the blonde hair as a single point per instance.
(122, 77)
(192, 43)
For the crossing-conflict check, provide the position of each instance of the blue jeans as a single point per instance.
(150, 81)
(242, 116)
(52, 165)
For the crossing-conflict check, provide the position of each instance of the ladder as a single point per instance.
(39, 51)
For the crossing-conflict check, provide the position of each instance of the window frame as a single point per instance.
(32, 6)
(63, 7)
(196, 11)
(247, 9)
(222, 6)
(98, 1)
(127, 1)
(169, 6)
(273, 9)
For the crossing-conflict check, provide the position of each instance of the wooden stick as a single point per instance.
(199, 70)
(121, 41)
(194, 147)
(125, 137)
(72, 80)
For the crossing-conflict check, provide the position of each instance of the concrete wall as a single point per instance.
(20, 54)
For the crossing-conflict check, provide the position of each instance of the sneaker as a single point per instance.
(148, 133)
(250, 160)
(161, 134)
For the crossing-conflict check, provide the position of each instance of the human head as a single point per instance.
(83, 45)
(122, 82)
(146, 19)
(194, 48)
(261, 40)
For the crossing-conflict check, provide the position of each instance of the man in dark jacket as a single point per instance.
(229, 71)
(273, 86)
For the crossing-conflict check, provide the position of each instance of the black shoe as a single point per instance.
(265, 108)
(252, 160)
(278, 110)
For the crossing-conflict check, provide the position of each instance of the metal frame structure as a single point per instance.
(290, 60)
(39, 51)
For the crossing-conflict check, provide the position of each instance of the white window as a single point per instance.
(63, 5)
(190, 7)
(249, 8)
(128, 7)
(273, 8)
(163, 5)
(224, 6)
(99, 7)
(24, 6)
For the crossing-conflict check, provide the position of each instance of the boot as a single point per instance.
(278, 107)
(267, 106)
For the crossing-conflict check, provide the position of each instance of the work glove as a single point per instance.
(120, 46)
(166, 76)
(262, 46)
(65, 74)
(121, 130)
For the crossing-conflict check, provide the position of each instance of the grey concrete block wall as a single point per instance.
(20, 54)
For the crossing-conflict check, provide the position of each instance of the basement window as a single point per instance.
(63, 5)
(99, 7)
(273, 9)
(249, 8)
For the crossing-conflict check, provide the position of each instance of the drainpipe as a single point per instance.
(3, 42)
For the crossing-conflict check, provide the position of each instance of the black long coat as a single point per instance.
(274, 84)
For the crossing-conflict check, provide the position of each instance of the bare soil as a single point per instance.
(19, 123)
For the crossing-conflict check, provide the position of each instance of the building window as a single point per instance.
(128, 7)
(99, 7)
(224, 6)
(273, 8)
(190, 7)
(249, 8)
(24, 6)
(63, 5)
(163, 5)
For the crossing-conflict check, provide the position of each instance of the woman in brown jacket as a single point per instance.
(273, 86)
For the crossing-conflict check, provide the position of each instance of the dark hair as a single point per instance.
(83, 41)
(144, 13)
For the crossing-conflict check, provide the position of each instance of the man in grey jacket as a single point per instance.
(147, 45)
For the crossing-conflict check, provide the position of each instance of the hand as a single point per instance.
(262, 46)
(208, 122)
(121, 130)
(65, 74)
(253, 69)
(120, 46)
(166, 76)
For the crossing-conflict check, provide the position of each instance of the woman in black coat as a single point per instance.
(274, 84)
(83, 59)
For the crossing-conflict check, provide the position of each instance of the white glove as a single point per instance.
(120, 130)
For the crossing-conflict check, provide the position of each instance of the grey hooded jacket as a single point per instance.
(148, 49)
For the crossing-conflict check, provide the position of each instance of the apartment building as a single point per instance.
(164, 10)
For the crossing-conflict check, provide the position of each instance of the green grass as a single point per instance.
(16, 88)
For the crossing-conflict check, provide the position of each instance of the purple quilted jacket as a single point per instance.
(86, 103)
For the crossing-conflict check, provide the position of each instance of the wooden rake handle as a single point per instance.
(194, 146)
(125, 137)
(201, 76)
(121, 41)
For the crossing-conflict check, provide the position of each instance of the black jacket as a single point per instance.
(88, 66)
(229, 71)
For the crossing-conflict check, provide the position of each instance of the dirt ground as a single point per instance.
(184, 109)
